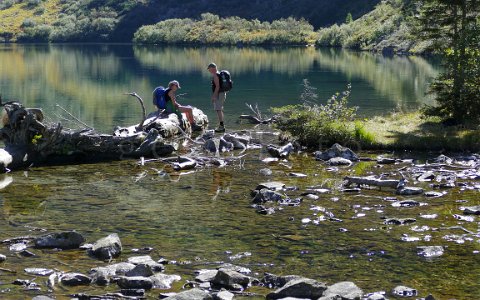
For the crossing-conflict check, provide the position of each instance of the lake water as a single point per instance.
(198, 218)
(89, 80)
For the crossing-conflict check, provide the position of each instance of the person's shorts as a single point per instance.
(218, 103)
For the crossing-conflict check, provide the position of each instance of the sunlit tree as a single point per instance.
(454, 28)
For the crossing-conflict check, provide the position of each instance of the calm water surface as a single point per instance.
(203, 217)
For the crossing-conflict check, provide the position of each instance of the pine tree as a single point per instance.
(454, 28)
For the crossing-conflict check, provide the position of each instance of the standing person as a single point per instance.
(172, 106)
(218, 96)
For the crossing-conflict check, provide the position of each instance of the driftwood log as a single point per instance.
(29, 141)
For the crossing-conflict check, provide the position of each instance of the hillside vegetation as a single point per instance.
(389, 27)
(110, 20)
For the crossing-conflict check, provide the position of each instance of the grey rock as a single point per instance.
(231, 279)
(133, 292)
(300, 288)
(280, 152)
(41, 297)
(140, 270)
(103, 275)
(409, 191)
(443, 159)
(212, 145)
(236, 268)
(376, 296)
(147, 260)
(298, 175)
(61, 240)
(266, 195)
(39, 271)
(238, 141)
(206, 275)
(399, 221)
(107, 247)
(2, 258)
(271, 185)
(164, 281)
(404, 291)
(339, 161)
(386, 161)
(17, 247)
(405, 203)
(193, 294)
(430, 251)
(346, 290)
(336, 151)
(74, 279)
(223, 295)
(225, 146)
(274, 281)
(433, 194)
(472, 210)
(137, 282)
(264, 210)
(266, 172)
(426, 176)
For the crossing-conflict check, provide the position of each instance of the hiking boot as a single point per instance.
(220, 128)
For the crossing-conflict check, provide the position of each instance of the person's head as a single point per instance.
(174, 85)
(212, 68)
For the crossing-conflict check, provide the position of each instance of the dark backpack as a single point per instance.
(226, 83)
(159, 97)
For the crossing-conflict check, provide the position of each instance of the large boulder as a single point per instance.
(137, 282)
(74, 279)
(345, 290)
(61, 240)
(193, 294)
(300, 288)
(231, 279)
(336, 151)
(107, 247)
(164, 281)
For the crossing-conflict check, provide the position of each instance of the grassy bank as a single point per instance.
(317, 125)
(413, 131)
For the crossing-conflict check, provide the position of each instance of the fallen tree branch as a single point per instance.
(144, 112)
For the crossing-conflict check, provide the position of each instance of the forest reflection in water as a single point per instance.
(90, 80)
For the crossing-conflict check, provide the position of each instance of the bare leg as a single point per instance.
(188, 112)
(220, 115)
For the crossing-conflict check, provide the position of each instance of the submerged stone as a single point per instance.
(430, 251)
(61, 240)
(300, 288)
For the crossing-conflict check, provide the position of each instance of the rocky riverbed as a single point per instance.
(276, 224)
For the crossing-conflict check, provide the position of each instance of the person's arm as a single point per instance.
(171, 94)
(216, 81)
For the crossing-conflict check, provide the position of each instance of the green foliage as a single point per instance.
(38, 33)
(454, 27)
(319, 124)
(211, 29)
(349, 18)
(387, 26)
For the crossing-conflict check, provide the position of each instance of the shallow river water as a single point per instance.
(199, 219)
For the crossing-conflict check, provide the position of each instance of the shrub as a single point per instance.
(316, 125)
(28, 23)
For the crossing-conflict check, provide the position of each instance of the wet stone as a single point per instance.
(223, 295)
(133, 292)
(399, 221)
(2, 258)
(264, 210)
(107, 247)
(206, 275)
(164, 281)
(299, 288)
(266, 172)
(404, 291)
(231, 279)
(409, 191)
(137, 282)
(17, 247)
(140, 270)
(271, 185)
(345, 290)
(193, 294)
(60, 240)
(74, 279)
(41, 297)
(472, 210)
(147, 260)
(339, 161)
(406, 203)
(430, 251)
(433, 194)
(386, 161)
(39, 271)
(298, 175)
